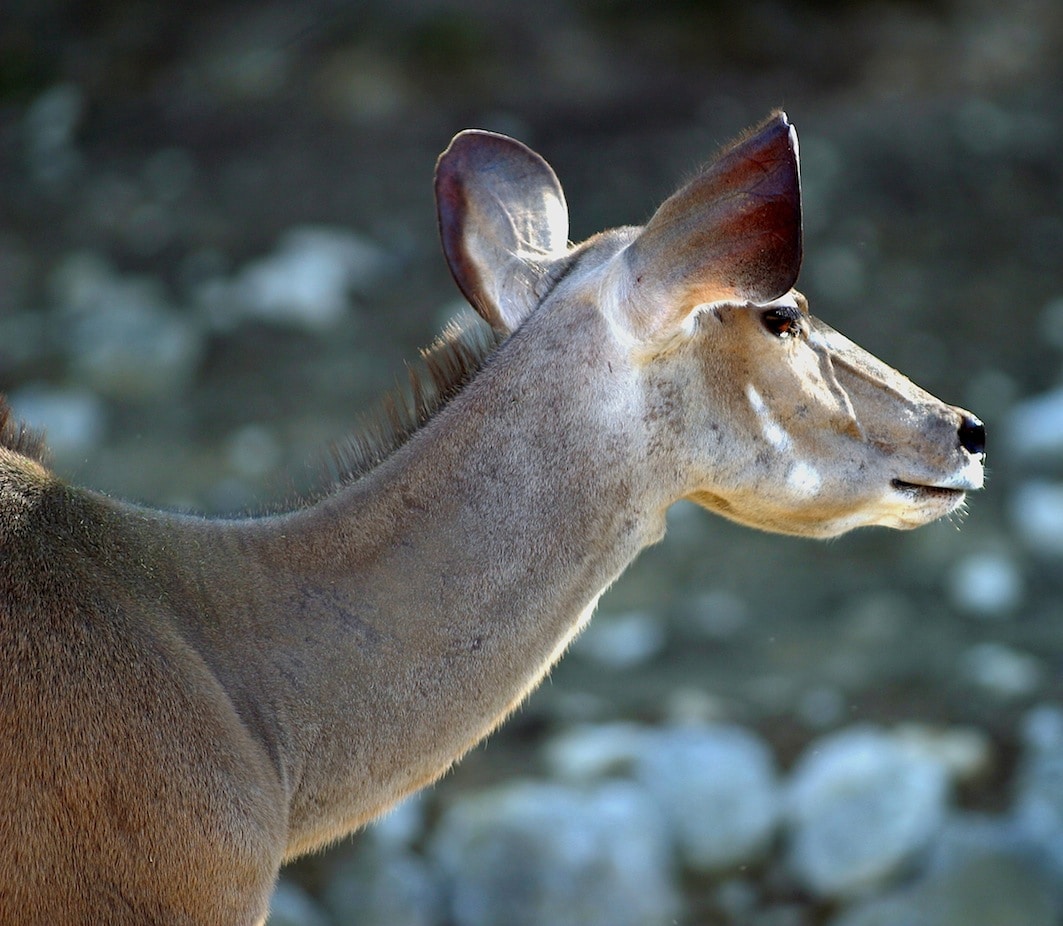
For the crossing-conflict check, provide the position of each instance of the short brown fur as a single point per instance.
(185, 703)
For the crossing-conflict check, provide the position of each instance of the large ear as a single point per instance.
(731, 234)
(503, 221)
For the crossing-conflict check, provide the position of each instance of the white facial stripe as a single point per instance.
(833, 342)
(773, 432)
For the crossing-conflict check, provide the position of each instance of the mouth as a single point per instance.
(919, 503)
(920, 491)
(952, 488)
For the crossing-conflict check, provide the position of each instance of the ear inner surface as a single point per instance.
(733, 233)
(502, 219)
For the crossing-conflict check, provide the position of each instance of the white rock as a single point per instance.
(50, 128)
(253, 451)
(966, 753)
(379, 885)
(120, 335)
(718, 615)
(589, 751)
(529, 854)
(1034, 428)
(292, 906)
(737, 899)
(308, 280)
(687, 705)
(1042, 729)
(981, 873)
(718, 789)
(860, 807)
(621, 641)
(1001, 670)
(1037, 513)
(986, 584)
(1038, 804)
(74, 421)
(401, 826)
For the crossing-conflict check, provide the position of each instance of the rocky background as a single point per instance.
(217, 246)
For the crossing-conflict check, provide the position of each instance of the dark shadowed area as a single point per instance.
(218, 248)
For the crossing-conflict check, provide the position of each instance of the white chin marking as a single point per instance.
(972, 476)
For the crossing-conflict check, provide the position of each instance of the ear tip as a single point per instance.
(472, 147)
(780, 118)
(467, 138)
(774, 271)
(776, 131)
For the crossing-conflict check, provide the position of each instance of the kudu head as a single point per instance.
(759, 411)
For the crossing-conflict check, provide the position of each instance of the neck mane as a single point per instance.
(17, 437)
(441, 373)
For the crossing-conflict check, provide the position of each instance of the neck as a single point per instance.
(409, 613)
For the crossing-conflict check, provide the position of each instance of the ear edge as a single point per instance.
(477, 153)
(451, 212)
(452, 167)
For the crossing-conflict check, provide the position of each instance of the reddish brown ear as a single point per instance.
(502, 220)
(733, 233)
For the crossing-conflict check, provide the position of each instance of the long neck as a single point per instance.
(412, 611)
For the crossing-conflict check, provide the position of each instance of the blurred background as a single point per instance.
(218, 246)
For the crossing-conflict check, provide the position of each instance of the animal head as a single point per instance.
(753, 408)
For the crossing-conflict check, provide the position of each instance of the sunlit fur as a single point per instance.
(187, 703)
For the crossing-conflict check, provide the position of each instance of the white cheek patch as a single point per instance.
(804, 479)
(773, 432)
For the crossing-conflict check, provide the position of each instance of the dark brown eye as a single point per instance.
(783, 322)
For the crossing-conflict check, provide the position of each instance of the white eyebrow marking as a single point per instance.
(786, 299)
(773, 432)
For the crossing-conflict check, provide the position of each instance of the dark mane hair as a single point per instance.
(17, 436)
(444, 368)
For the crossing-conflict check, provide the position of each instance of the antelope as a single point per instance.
(187, 703)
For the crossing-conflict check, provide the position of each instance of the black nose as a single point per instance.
(972, 434)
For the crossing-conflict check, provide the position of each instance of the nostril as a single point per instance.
(972, 434)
